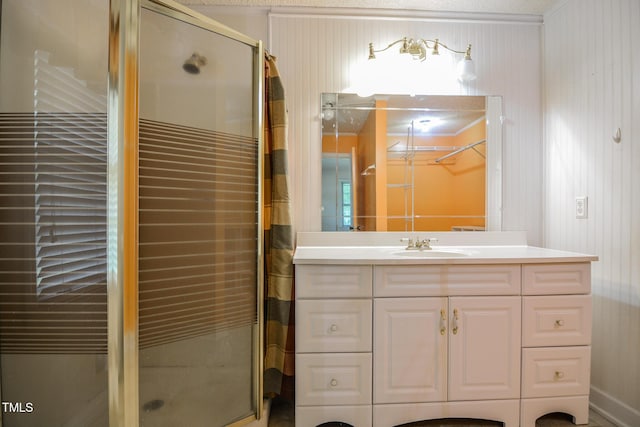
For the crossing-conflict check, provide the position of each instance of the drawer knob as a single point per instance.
(334, 382)
(558, 323)
(334, 328)
(558, 375)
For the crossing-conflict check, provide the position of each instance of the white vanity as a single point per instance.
(479, 326)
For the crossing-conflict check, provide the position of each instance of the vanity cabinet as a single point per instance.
(383, 344)
(440, 349)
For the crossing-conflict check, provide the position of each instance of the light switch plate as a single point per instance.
(582, 207)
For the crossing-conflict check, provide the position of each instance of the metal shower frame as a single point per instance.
(122, 199)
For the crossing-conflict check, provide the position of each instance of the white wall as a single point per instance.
(317, 52)
(592, 82)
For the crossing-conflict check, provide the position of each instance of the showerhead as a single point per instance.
(193, 64)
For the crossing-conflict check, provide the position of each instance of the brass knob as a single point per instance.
(334, 328)
(558, 323)
(334, 382)
(558, 375)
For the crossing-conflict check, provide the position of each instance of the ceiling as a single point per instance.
(527, 7)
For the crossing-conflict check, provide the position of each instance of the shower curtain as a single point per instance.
(278, 242)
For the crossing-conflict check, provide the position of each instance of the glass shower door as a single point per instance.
(198, 225)
(53, 203)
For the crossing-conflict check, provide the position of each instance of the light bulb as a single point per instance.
(466, 70)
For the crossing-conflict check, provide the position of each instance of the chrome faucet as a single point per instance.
(424, 244)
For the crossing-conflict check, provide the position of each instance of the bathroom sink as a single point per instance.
(430, 253)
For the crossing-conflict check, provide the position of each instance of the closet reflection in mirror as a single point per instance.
(410, 163)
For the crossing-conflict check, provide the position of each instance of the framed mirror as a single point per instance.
(411, 163)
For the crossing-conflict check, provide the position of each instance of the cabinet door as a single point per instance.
(409, 345)
(484, 348)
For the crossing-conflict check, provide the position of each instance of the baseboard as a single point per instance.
(613, 409)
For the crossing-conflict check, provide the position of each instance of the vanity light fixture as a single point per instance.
(328, 111)
(419, 49)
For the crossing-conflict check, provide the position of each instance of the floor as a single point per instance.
(282, 415)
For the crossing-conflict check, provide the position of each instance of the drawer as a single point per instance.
(333, 379)
(333, 281)
(555, 371)
(313, 416)
(333, 326)
(556, 320)
(444, 280)
(556, 279)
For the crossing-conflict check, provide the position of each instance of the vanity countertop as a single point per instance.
(451, 248)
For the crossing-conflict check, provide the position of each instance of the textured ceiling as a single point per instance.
(528, 7)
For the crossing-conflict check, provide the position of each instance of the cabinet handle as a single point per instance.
(558, 375)
(455, 321)
(558, 323)
(443, 322)
(333, 327)
(334, 382)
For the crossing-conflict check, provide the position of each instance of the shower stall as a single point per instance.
(130, 216)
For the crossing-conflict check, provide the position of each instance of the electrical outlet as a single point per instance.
(581, 207)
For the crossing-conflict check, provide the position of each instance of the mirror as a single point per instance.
(411, 163)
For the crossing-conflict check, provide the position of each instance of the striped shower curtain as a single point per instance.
(278, 241)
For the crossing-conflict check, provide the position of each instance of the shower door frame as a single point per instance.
(122, 200)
